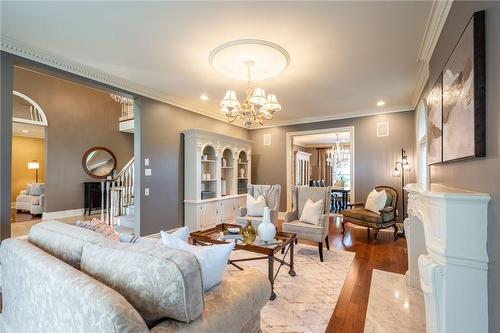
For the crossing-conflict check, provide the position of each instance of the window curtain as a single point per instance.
(325, 171)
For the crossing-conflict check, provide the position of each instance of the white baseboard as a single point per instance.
(62, 214)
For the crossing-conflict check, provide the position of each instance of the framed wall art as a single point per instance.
(463, 81)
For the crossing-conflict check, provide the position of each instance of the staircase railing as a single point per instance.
(120, 193)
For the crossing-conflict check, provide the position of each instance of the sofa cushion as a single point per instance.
(63, 241)
(43, 294)
(362, 215)
(231, 305)
(159, 282)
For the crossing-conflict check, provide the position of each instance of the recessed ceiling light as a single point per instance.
(380, 103)
(25, 131)
(203, 97)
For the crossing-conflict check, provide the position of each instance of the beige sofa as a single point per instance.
(68, 279)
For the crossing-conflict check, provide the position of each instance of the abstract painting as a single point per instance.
(463, 95)
(435, 123)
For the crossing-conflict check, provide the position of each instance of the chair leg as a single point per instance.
(368, 233)
(395, 226)
(320, 248)
(327, 243)
(343, 227)
(296, 241)
(375, 234)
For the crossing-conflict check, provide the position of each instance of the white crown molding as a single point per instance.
(45, 57)
(347, 115)
(435, 23)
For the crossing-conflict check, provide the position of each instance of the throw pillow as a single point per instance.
(99, 226)
(213, 259)
(28, 188)
(36, 189)
(376, 201)
(132, 239)
(255, 207)
(312, 211)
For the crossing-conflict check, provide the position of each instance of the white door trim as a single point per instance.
(289, 157)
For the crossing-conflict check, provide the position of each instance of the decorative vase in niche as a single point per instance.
(248, 233)
(242, 173)
(266, 229)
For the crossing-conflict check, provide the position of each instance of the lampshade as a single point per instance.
(272, 104)
(230, 100)
(33, 165)
(396, 172)
(406, 166)
(258, 97)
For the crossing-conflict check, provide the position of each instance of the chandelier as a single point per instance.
(337, 155)
(257, 107)
(121, 99)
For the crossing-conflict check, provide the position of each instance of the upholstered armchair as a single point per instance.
(271, 194)
(32, 199)
(316, 233)
(384, 219)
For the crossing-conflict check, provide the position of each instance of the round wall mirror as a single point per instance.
(99, 162)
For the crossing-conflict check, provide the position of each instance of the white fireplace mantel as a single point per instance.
(446, 232)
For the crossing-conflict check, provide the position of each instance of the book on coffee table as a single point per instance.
(226, 235)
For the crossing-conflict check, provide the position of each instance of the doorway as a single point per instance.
(322, 157)
(29, 125)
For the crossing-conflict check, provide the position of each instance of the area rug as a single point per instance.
(304, 303)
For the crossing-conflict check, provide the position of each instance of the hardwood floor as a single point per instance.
(388, 255)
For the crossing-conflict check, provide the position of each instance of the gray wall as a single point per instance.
(374, 157)
(79, 118)
(478, 174)
(161, 141)
(6, 74)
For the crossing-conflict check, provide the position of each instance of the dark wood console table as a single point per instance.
(92, 197)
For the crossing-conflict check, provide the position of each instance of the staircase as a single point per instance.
(120, 201)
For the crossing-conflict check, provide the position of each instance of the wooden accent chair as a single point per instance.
(386, 218)
(315, 233)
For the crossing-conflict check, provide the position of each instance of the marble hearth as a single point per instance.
(446, 232)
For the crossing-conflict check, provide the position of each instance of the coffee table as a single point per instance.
(270, 252)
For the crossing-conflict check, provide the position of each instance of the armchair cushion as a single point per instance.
(302, 228)
(255, 206)
(312, 211)
(376, 201)
(362, 214)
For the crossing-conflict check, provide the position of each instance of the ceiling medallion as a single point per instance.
(249, 59)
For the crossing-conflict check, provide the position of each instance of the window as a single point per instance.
(422, 168)
(342, 170)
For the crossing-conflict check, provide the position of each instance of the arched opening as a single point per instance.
(29, 124)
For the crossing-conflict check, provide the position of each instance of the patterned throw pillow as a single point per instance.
(99, 226)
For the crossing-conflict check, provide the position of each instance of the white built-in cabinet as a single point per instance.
(217, 170)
